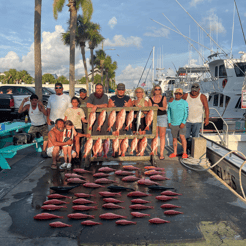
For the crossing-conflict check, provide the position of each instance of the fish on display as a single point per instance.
(46, 216)
(64, 188)
(158, 221)
(129, 120)
(73, 175)
(112, 206)
(97, 147)
(90, 223)
(139, 215)
(149, 119)
(59, 224)
(113, 200)
(124, 145)
(118, 188)
(158, 187)
(108, 193)
(84, 207)
(120, 120)
(52, 207)
(101, 119)
(55, 201)
(125, 222)
(123, 173)
(138, 194)
(166, 198)
(111, 120)
(111, 216)
(170, 193)
(130, 167)
(146, 182)
(130, 178)
(100, 175)
(154, 145)
(172, 212)
(83, 201)
(57, 196)
(142, 146)
(134, 145)
(104, 181)
(115, 146)
(81, 170)
(106, 145)
(153, 172)
(83, 195)
(169, 206)
(88, 147)
(139, 120)
(158, 177)
(78, 216)
(106, 169)
(154, 168)
(92, 185)
(139, 201)
(76, 181)
(140, 206)
(92, 118)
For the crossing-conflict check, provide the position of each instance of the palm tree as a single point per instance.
(109, 70)
(37, 49)
(87, 10)
(99, 61)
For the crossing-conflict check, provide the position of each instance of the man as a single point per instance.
(57, 105)
(55, 143)
(37, 113)
(177, 116)
(83, 101)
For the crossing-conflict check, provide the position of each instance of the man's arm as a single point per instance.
(206, 108)
(42, 108)
(48, 116)
(111, 103)
(186, 113)
(105, 105)
(23, 109)
(185, 96)
(128, 104)
(53, 140)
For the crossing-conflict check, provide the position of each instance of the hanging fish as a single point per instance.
(111, 120)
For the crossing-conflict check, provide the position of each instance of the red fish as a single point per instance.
(59, 224)
(142, 146)
(125, 222)
(97, 147)
(78, 216)
(123, 173)
(106, 145)
(170, 193)
(154, 145)
(52, 207)
(88, 147)
(111, 120)
(104, 181)
(154, 168)
(47, 216)
(92, 185)
(169, 206)
(172, 212)
(55, 201)
(51, 196)
(83, 207)
(108, 193)
(152, 172)
(139, 201)
(92, 118)
(158, 221)
(158, 177)
(146, 182)
(139, 215)
(166, 198)
(112, 205)
(73, 175)
(106, 169)
(120, 120)
(82, 201)
(115, 146)
(101, 119)
(100, 175)
(130, 178)
(137, 193)
(130, 167)
(149, 119)
(124, 145)
(90, 223)
(129, 120)
(83, 195)
(140, 206)
(76, 181)
(134, 145)
(111, 216)
(81, 170)
(113, 200)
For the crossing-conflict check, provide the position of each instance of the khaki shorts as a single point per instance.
(50, 151)
(43, 130)
(176, 131)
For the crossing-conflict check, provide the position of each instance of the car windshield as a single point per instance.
(31, 89)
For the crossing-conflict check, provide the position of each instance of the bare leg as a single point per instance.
(65, 150)
(69, 153)
(175, 146)
(162, 131)
(184, 143)
(45, 143)
(77, 146)
(55, 154)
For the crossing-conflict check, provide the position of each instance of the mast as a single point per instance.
(153, 65)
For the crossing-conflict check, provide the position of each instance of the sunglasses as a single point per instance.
(58, 87)
(195, 87)
(139, 92)
(157, 89)
(178, 93)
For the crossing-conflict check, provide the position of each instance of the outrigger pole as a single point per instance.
(240, 21)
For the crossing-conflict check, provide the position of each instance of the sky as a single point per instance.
(130, 31)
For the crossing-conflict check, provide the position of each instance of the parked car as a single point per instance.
(47, 91)
(76, 93)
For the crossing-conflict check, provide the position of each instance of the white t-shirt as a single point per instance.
(58, 104)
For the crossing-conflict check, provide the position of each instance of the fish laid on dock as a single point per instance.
(59, 224)
(47, 216)
(157, 187)
(125, 222)
(78, 216)
(118, 188)
(83, 201)
(90, 223)
(111, 216)
(158, 221)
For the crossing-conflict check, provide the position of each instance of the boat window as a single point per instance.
(238, 105)
(240, 69)
(216, 100)
(221, 100)
(216, 71)
(227, 101)
(209, 98)
(222, 71)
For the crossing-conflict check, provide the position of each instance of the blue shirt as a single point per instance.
(177, 112)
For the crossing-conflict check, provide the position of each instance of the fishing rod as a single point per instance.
(240, 21)
(148, 73)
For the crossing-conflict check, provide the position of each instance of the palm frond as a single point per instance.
(57, 7)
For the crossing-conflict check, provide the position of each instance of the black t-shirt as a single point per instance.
(120, 101)
(160, 104)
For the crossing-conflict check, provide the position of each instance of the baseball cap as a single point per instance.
(178, 90)
(195, 87)
(82, 90)
(121, 86)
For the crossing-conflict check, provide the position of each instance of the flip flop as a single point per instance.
(184, 156)
(162, 158)
(172, 155)
(53, 166)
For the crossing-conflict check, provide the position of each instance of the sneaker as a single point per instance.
(63, 166)
(69, 165)
(43, 154)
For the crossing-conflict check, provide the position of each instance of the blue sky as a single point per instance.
(129, 34)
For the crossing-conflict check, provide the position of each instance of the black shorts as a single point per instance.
(141, 127)
(79, 130)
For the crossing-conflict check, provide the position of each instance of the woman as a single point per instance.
(160, 101)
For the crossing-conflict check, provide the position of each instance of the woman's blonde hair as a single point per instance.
(153, 90)
(139, 88)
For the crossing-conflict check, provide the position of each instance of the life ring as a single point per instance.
(224, 83)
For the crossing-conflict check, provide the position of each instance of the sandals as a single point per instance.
(184, 156)
(172, 155)
(53, 166)
(162, 158)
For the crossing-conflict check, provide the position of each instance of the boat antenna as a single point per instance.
(175, 68)
(148, 73)
(233, 29)
(240, 21)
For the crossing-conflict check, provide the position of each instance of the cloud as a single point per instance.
(154, 32)
(193, 3)
(112, 22)
(245, 14)
(120, 41)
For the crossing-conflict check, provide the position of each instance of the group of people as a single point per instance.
(63, 123)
